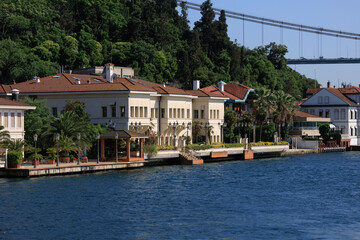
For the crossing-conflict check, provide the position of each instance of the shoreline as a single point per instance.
(170, 157)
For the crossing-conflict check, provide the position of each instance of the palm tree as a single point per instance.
(230, 117)
(4, 135)
(209, 131)
(285, 108)
(260, 118)
(68, 125)
(16, 145)
(196, 129)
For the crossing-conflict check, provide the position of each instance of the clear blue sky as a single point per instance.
(333, 14)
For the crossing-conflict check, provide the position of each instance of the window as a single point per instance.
(320, 100)
(152, 113)
(174, 109)
(320, 113)
(188, 113)
(202, 114)
(170, 112)
(327, 113)
(163, 113)
(182, 113)
(12, 120)
(156, 112)
(351, 132)
(113, 111)
(211, 114)
(355, 131)
(104, 111)
(122, 111)
(136, 111)
(19, 120)
(312, 111)
(355, 114)
(351, 115)
(145, 112)
(196, 113)
(217, 114)
(131, 111)
(54, 111)
(178, 111)
(342, 114)
(141, 112)
(326, 99)
(336, 114)
(1, 120)
(6, 120)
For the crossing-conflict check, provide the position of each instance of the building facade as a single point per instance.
(341, 105)
(130, 103)
(12, 117)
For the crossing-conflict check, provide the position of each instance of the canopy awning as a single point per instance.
(123, 134)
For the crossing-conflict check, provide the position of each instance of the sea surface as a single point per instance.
(299, 197)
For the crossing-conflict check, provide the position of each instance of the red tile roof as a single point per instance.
(234, 91)
(337, 92)
(305, 114)
(7, 102)
(203, 93)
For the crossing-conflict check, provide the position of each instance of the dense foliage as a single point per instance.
(39, 36)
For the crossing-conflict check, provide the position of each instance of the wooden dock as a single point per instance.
(68, 168)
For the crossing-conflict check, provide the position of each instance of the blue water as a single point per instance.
(300, 197)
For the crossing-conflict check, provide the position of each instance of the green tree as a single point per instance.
(196, 129)
(230, 118)
(69, 51)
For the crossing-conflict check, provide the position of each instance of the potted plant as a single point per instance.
(14, 159)
(66, 145)
(85, 160)
(51, 156)
(39, 157)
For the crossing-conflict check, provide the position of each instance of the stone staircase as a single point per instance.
(188, 158)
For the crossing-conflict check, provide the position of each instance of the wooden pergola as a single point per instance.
(123, 134)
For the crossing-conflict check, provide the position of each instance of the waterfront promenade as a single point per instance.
(162, 158)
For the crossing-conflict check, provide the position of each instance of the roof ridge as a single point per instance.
(65, 75)
(125, 86)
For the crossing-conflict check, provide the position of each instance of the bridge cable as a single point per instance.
(276, 23)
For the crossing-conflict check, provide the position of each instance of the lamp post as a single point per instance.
(207, 126)
(174, 127)
(35, 140)
(57, 148)
(98, 148)
(78, 137)
(222, 131)
(187, 131)
(116, 147)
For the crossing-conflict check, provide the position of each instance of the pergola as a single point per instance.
(123, 134)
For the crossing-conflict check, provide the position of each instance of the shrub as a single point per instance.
(283, 143)
(198, 146)
(50, 156)
(165, 147)
(14, 157)
(217, 145)
(38, 157)
(150, 149)
(230, 145)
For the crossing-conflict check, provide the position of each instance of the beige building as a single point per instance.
(124, 103)
(12, 117)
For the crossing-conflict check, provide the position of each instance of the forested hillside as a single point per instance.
(37, 36)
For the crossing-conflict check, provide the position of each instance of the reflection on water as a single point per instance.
(311, 196)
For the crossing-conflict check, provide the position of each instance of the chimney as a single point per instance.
(77, 81)
(164, 84)
(196, 84)
(328, 84)
(320, 85)
(88, 82)
(37, 79)
(221, 85)
(109, 69)
(15, 95)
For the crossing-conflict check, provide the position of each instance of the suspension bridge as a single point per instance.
(318, 31)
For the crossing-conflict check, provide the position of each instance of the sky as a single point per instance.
(332, 14)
